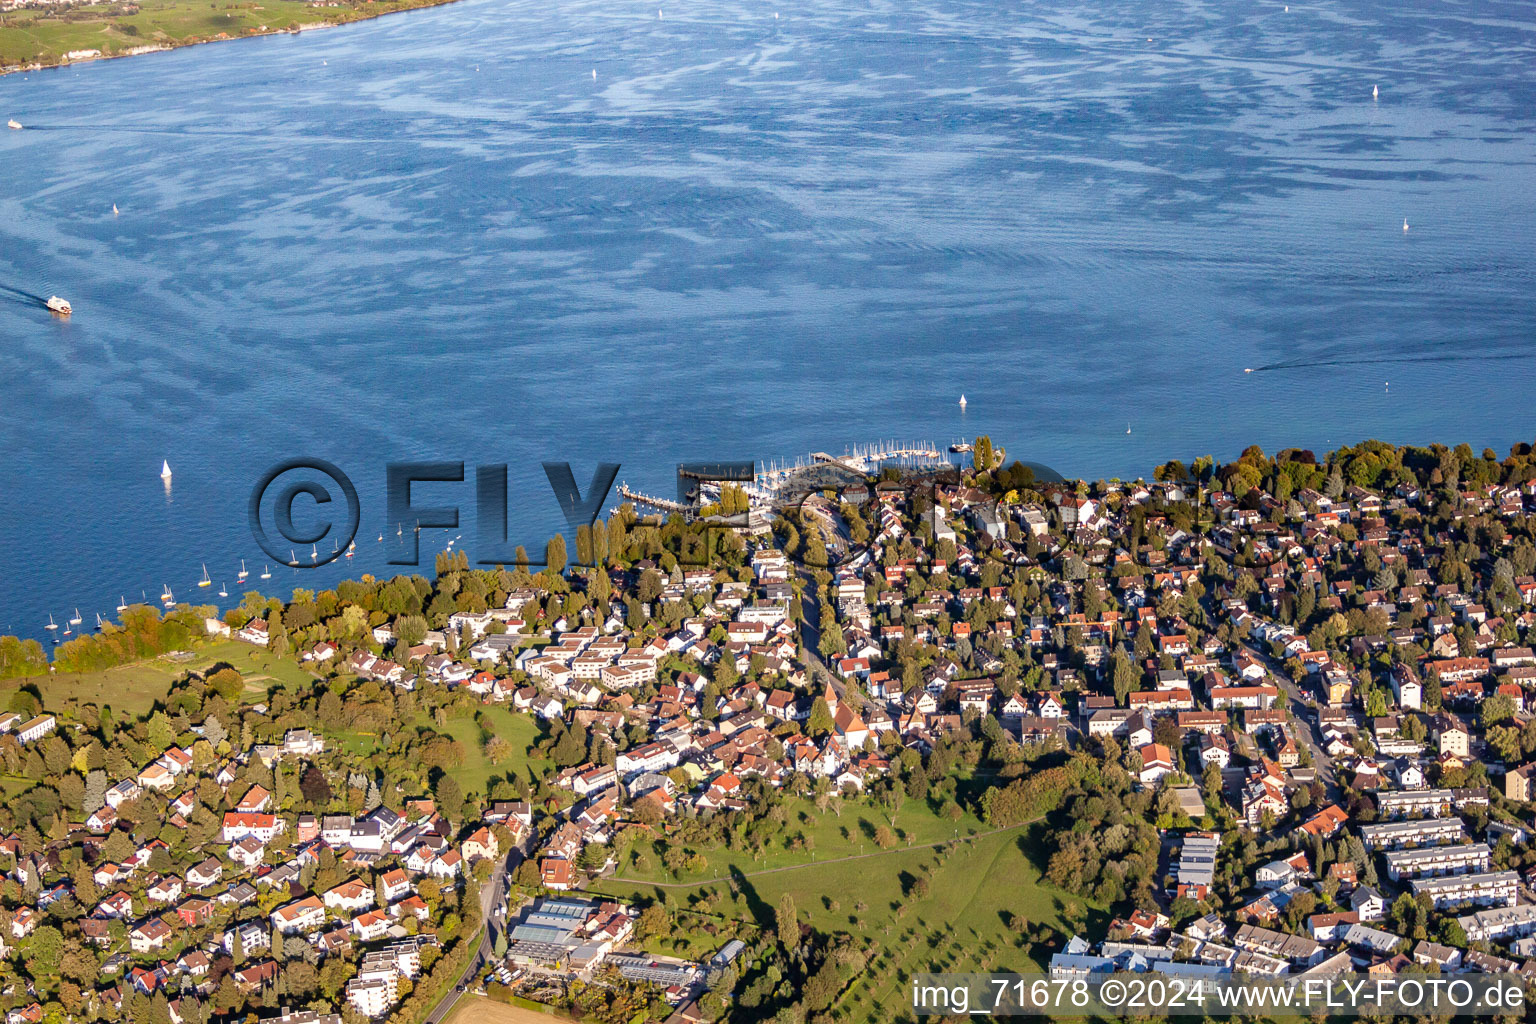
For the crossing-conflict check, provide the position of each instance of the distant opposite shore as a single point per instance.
(35, 36)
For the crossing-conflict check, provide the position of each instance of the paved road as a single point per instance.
(1308, 734)
(491, 896)
(810, 632)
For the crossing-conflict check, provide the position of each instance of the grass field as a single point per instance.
(830, 835)
(964, 922)
(134, 689)
(519, 729)
(44, 36)
(128, 689)
(477, 770)
(260, 669)
(473, 1010)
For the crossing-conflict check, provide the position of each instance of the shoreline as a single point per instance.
(154, 48)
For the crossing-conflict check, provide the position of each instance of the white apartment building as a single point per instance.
(1500, 923)
(1414, 803)
(1391, 835)
(1485, 889)
(1438, 860)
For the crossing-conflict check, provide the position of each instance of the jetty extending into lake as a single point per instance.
(775, 484)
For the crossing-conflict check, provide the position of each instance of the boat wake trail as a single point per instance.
(212, 133)
(1449, 357)
(25, 298)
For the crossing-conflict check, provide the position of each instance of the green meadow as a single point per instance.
(43, 35)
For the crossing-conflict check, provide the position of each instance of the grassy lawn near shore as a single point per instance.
(135, 688)
(260, 668)
(130, 689)
(45, 35)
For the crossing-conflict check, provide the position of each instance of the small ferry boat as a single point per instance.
(960, 447)
(59, 306)
(13, 124)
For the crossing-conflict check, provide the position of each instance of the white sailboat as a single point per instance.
(76, 620)
(51, 624)
(166, 598)
(1375, 92)
(1127, 428)
(314, 553)
(1405, 223)
(242, 574)
(962, 401)
(206, 581)
(114, 209)
(266, 572)
(222, 591)
(165, 469)
(122, 603)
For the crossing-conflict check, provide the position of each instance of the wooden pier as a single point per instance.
(663, 504)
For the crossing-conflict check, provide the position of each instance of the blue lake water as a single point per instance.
(435, 235)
